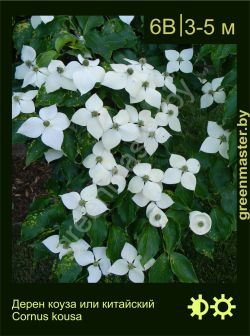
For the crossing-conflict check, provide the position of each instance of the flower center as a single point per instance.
(115, 126)
(157, 217)
(200, 224)
(130, 71)
(59, 70)
(223, 138)
(170, 113)
(85, 62)
(82, 202)
(184, 168)
(35, 68)
(145, 84)
(98, 159)
(16, 98)
(46, 123)
(96, 263)
(210, 91)
(151, 134)
(95, 114)
(28, 63)
(140, 123)
(142, 61)
(179, 59)
(130, 266)
(114, 171)
(165, 74)
(145, 178)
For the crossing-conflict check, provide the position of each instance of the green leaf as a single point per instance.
(44, 59)
(161, 272)
(127, 209)
(36, 222)
(179, 216)
(63, 39)
(60, 98)
(98, 231)
(184, 197)
(35, 151)
(230, 78)
(40, 251)
(40, 203)
(183, 268)
(232, 151)
(115, 35)
(148, 243)
(201, 189)
(87, 23)
(16, 137)
(171, 235)
(69, 145)
(203, 245)
(219, 175)
(229, 200)
(222, 225)
(67, 270)
(230, 109)
(22, 35)
(116, 241)
(70, 231)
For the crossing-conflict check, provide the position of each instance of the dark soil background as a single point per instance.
(27, 184)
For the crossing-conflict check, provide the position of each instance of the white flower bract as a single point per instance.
(130, 264)
(37, 20)
(84, 203)
(94, 116)
(212, 93)
(200, 222)
(182, 171)
(179, 60)
(217, 140)
(49, 125)
(23, 102)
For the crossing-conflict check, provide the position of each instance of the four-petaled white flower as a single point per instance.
(179, 61)
(56, 79)
(22, 102)
(100, 265)
(168, 116)
(49, 126)
(126, 18)
(85, 74)
(81, 252)
(212, 92)
(94, 116)
(199, 222)
(156, 216)
(182, 171)
(37, 20)
(144, 88)
(84, 203)
(217, 140)
(169, 82)
(122, 130)
(130, 264)
(153, 136)
(121, 76)
(28, 56)
(146, 185)
(99, 163)
(53, 244)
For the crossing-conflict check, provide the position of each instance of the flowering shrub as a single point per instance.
(142, 142)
